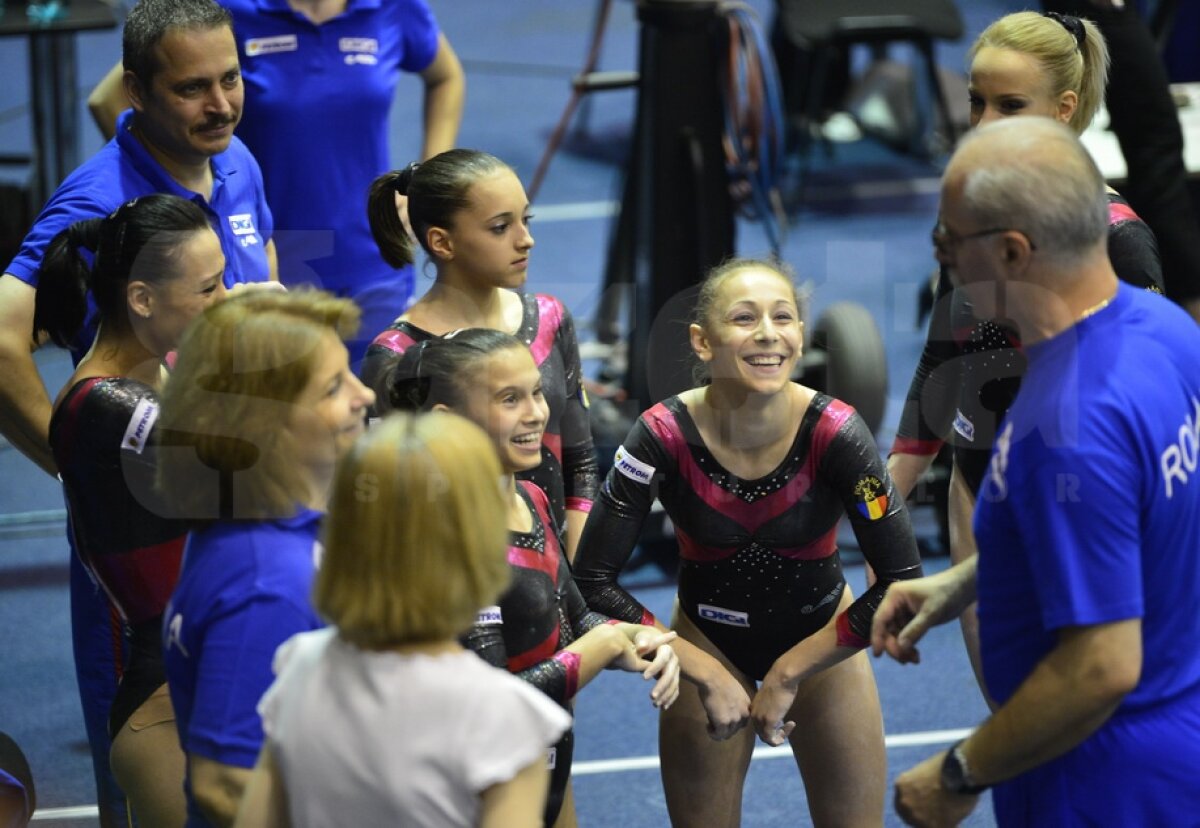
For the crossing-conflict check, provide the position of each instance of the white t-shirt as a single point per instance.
(384, 738)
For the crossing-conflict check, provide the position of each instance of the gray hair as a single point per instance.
(1037, 178)
(148, 23)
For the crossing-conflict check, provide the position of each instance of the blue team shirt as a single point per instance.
(1090, 513)
(245, 587)
(124, 169)
(316, 117)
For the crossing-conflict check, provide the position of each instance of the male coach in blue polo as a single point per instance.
(184, 82)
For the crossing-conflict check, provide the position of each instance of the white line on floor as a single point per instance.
(930, 737)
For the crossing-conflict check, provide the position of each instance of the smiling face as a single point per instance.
(504, 397)
(330, 413)
(194, 101)
(490, 240)
(752, 333)
(166, 308)
(1005, 83)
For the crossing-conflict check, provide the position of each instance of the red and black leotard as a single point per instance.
(758, 565)
(568, 473)
(970, 369)
(103, 438)
(539, 615)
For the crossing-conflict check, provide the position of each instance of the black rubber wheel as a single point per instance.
(845, 359)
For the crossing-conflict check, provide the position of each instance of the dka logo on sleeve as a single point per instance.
(631, 467)
(242, 226)
(145, 415)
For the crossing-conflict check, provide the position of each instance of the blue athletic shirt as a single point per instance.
(244, 589)
(1089, 514)
(125, 169)
(316, 118)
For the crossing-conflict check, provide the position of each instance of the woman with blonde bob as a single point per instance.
(415, 545)
(260, 406)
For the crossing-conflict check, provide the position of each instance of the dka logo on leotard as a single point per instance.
(631, 467)
(724, 616)
(1179, 460)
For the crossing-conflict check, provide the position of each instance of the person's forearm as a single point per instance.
(1068, 696)
(575, 523)
(108, 100)
(24, 404)
(445, 91)
(907, 469)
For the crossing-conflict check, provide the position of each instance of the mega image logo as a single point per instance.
(720, 615)
(631, 467)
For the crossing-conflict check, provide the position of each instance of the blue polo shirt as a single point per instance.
(316, 118)
(245, 587)
(1090, 514)
(124, 169)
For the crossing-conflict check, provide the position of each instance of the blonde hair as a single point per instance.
(225, 449)
(416, 539)
(1069, 65)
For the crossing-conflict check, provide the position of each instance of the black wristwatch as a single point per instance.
(956, 776)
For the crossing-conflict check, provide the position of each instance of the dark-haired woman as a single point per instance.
(469, 212)
(157, 265)
(540, 629)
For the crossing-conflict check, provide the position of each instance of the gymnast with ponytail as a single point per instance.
(470, 214)
(156, 264)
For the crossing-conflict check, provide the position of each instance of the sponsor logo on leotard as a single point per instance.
(964, 427)
(551, 758)
(145, 414)
(720, 615)
(809, 609)
(271, 45)
(631, 467)
(872, 501)
(1178, 460)
(489, 616)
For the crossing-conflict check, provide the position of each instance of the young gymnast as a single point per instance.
(156, 264)
(756, 472)
(541, 628)
(414, 546)
(470, 214)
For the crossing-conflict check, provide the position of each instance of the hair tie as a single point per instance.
(1073, 25)
(404, 178)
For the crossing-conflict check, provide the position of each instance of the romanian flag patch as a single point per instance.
(872, 500)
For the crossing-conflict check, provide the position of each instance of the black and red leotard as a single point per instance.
(539, 615)
(758, 565)
(568, 473)
(103, 438)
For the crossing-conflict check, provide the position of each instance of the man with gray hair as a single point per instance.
(184, 82)
(1088, 522)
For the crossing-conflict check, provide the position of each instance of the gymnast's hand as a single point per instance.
(664, 666)
(771, 704)
(727, 704)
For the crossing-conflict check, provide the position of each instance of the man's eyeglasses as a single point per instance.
(946, 242)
